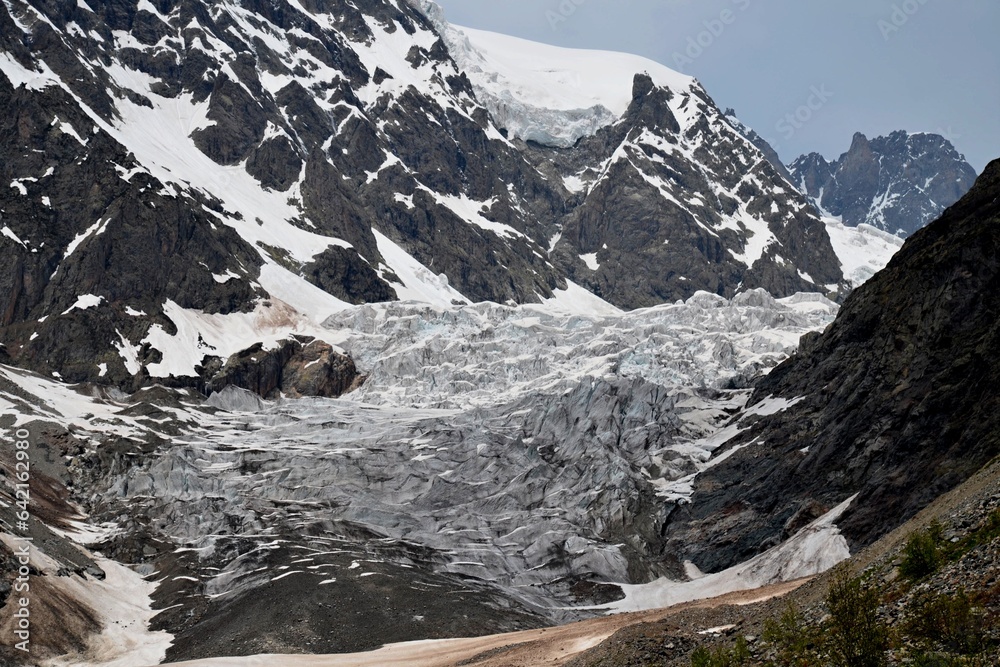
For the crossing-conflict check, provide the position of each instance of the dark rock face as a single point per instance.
(897, 183)
(296, 368)
(673, 212)
(760, 143)
(84, 229)
(897, 400)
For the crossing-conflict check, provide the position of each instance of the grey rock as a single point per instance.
(235, 399)
(895, 401)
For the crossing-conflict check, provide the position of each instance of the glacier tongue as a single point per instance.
(527, 453)
(522, 446)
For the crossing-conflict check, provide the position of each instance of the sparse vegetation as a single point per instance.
(794, 640)
(923, 618)
(722, 656)
(952, 622)
(855, 637)
(985, 534)
(922, 555)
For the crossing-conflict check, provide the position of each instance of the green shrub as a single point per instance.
(950, 621)
(855, 635)
(793, 639)
(942, 660)
(722, 657)
(922, 555)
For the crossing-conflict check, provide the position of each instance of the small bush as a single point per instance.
(942, 660)
(922, 555)
(855, 635)
(722, 657)
(793, 639)
(950, 621)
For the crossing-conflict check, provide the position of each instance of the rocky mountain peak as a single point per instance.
(272, 163)
(896, 183)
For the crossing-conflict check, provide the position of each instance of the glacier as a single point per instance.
(525, 448)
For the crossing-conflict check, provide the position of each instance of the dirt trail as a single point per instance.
(529, 648)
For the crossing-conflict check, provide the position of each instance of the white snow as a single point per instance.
(224, 278)
(128, 352)
(471, 211)
(301, 295)
(6, 231)
(200, 334)
(123, 606)
(419, 282)
(544, 93)
(863, 250)
(18, 75)
(67, 128)
(85, 301)
(94, 230)
(576, 300)
(590, 260)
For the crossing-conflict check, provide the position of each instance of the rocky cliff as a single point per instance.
(895, 401)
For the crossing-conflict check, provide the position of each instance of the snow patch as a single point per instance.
(576, 300)
(418, 282)
(6, 231)
(863, 250)
(815, 549)
(591, 261)
(85, 301)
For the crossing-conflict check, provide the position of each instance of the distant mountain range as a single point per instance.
(897, 183)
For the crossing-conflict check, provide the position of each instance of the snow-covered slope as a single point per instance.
(863, 250)
(543, 93)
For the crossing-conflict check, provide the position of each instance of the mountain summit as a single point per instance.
(897, 183)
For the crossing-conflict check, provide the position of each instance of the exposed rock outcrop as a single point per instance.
(295, 368)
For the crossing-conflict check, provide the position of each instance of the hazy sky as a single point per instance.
(883, 65)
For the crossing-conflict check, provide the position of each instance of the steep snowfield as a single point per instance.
(549, 94)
